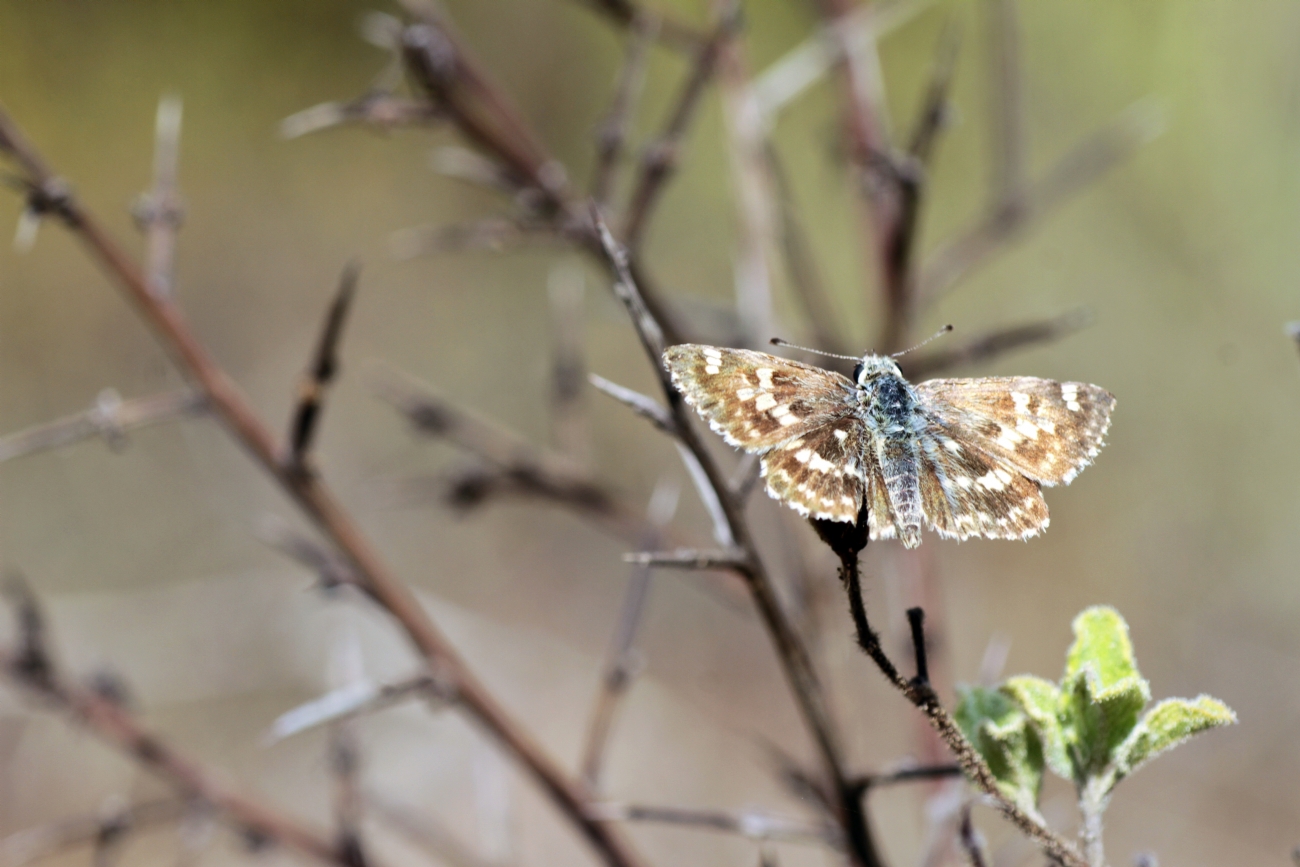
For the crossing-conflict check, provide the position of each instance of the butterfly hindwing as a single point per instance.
(755, 400)
(821, 473)
(1047, 430)
(965, 491)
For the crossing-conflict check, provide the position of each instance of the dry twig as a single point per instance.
(49, 195)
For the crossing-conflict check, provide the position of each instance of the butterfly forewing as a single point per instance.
(755, 400)
(1047, 430)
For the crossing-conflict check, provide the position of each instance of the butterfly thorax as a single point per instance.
(890, 408)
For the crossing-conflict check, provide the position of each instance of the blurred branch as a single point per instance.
(753, 825)
(110, 417)
(801, 265)
(611, 135)
(795, 661)
(519, 467)
(374, 108)
(622, 662)
(907, 775)
(424, 831)
(352, 700)
(666, 29)
(324, 367)
(31, 667)
(806, 64)
(317, 502)
(997, 342)
(1007, 109)
(161, 212)
(972, 841)
(1083, 165)
(566, 289)
(492, 234)
(345, 758)
(689, 558)
(332, 571)
(38, 843)
(660, 158)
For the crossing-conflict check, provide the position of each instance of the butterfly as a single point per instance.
(967, 457)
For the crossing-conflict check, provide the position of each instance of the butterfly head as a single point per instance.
(873, 367)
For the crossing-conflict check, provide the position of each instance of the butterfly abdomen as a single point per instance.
(890, 410)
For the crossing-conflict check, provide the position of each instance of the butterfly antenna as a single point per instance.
(776, 341)
(940, 333)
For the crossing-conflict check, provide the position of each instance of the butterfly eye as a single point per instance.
(857, 371)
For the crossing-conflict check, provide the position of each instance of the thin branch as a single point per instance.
(611, 135)
(661, 157)
(160, 213)
(997, 343)
(753, 825)
(110, 417)
(643, 406)
(1079, 168)
(689, 558)
(317, 503)
(793, 655)
(324, 367)
(847, 541)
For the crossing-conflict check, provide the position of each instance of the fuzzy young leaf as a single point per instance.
(1000, 731)
(1167, 725)
(1103, 692)
(1041, 701)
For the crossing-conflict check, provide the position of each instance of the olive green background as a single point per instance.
(1186, 256)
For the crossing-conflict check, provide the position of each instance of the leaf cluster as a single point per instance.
(1094, 727)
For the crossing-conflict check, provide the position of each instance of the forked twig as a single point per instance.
(847, 542)
(317, 503)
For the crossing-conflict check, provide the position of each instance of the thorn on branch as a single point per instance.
(639, 403)
(324, 368)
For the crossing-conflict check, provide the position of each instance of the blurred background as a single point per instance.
(147, 556)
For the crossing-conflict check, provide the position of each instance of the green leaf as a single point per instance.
(1103, 692)
(1000, 731)
(1167, 725)
(1041, 701)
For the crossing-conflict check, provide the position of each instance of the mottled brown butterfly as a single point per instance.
(967, 456)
